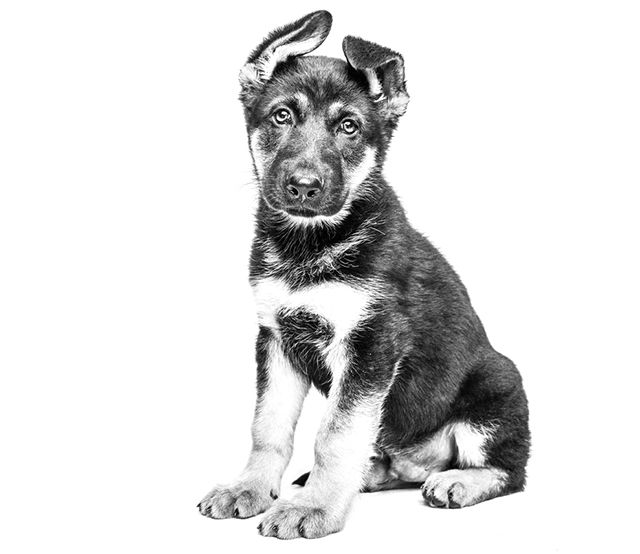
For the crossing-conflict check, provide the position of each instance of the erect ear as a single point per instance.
(384, 70)
(295, 39)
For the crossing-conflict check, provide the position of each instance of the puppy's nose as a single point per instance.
(302, 187)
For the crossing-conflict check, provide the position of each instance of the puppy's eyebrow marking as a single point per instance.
(304, 104)
(299, 101)
(337, 108)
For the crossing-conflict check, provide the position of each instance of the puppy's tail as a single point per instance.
(301, 481)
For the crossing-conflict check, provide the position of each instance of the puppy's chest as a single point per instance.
(323, 314)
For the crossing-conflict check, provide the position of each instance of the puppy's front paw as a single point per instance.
(294, 519)
(242, 499)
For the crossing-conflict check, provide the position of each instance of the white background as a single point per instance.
(126, 319)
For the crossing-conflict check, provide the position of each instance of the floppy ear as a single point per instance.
(384, 70)
(297, 38)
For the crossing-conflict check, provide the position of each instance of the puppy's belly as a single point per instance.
(415, 463)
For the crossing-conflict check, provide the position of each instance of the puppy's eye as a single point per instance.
(282, 116)
(349, 127)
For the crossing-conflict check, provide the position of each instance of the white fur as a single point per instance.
(396, 104)
(249, 75)
(357, 176)
(268, 63)
(342, 305)
(278, 409)
(414, 464)
(465, 486)
(344, 444)
(417, 463)
(470, 442)
(277, 413)
(375, 86)
(303, 101)
(260, 71)
(321, 219)
(271, 256)
(259, 161)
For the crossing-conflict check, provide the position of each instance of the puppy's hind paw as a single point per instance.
(457, 488)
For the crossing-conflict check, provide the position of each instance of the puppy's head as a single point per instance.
(319, 127)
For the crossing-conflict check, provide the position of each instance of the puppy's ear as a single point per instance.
(384, 70)
(295, 39)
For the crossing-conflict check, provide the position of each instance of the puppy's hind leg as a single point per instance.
(470, 479)
(491, 440)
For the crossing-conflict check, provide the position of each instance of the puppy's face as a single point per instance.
(314, 135)
(318, 127)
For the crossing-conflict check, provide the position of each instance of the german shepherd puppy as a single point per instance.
(351, 299)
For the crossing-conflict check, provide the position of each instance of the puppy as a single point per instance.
(352, 300)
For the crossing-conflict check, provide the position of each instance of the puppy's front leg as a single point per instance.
(343, 447)
(281, 391)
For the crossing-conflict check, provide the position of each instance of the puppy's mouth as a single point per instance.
(301, 211)
(308, 210)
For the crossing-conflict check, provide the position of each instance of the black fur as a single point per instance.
(423, 323)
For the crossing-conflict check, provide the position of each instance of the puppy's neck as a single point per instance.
(303, 252)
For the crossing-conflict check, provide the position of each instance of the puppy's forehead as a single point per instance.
(316, 83)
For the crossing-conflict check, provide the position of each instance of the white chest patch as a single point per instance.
(342, 305)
